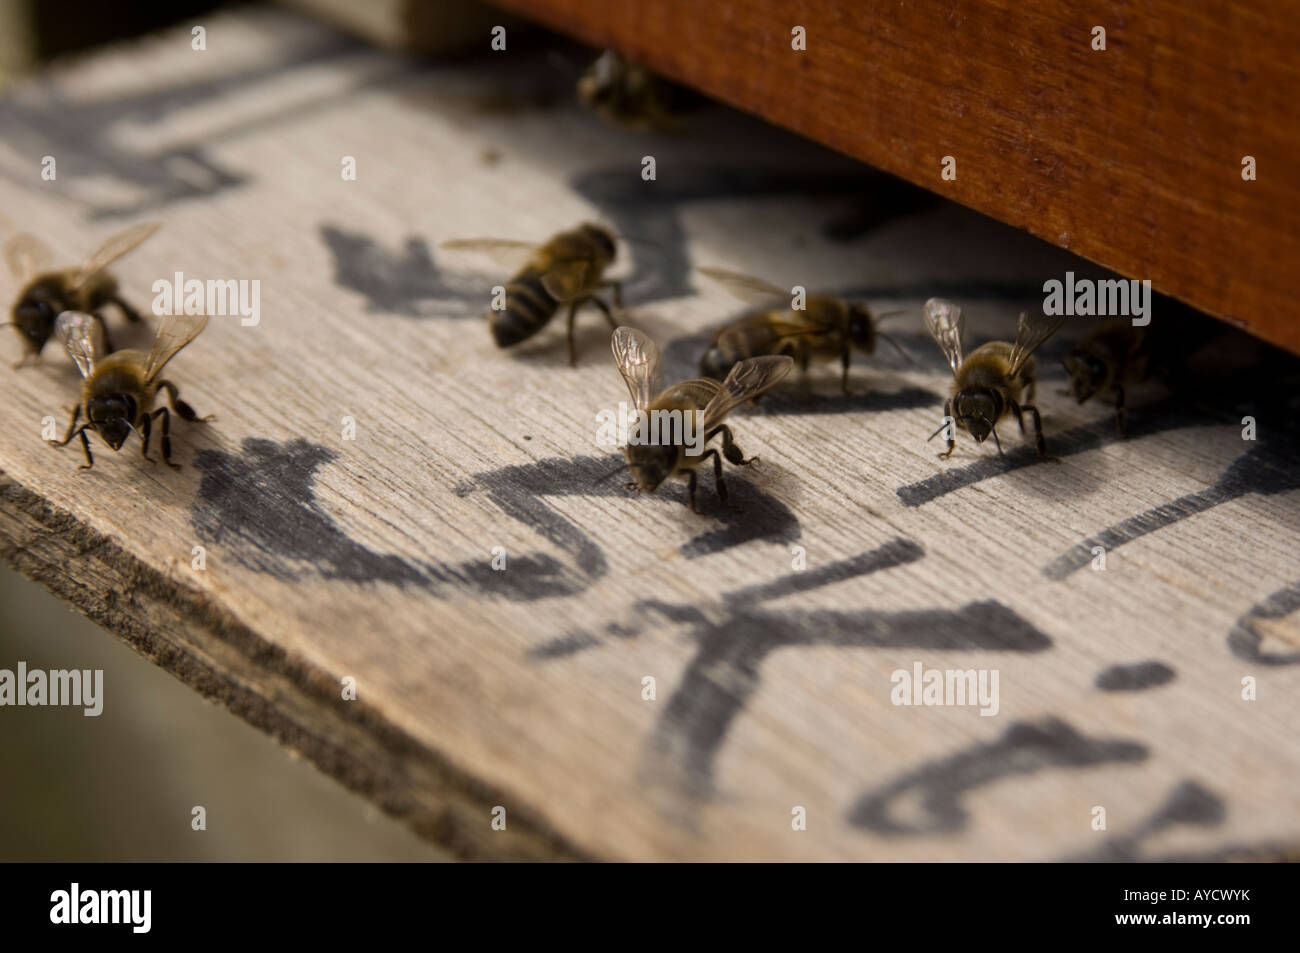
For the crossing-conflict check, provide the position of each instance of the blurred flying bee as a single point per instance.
(994, 380)
(827, 327)
(698, 406)
(624, 92)
(1114, 355)
(47, 293)
(118, 392)
(566, 269)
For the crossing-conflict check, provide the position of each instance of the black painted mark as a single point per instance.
(1135, 677)
(262, 504)
(1188, 805)
(409, 283)
(940, 786)
(1266, 468)
(85, 133)
(521, 493)
(733, 643)
(1245, 639)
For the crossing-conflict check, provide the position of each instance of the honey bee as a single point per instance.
(700, 404)
(47, 293)
(825, 328)
(118, 390)
(624, 92)
(1114, 355)
(991, 381)
(567, 269)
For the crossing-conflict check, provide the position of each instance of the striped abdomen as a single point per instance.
(528, 307)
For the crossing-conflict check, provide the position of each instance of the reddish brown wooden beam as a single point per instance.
(1131, 157)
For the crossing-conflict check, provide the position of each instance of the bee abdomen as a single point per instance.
(528, 307)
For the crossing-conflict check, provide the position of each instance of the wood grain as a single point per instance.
(1130, 157)
(370, 558)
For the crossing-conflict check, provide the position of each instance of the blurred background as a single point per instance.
(121, 786)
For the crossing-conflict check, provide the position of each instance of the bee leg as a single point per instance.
(616, 287)
(729, 447)
(166, 436)
(952, 439)
(844, 376)
(691, 482)
(1040, 443)
(128, 312)
(146, 431)
(1120, 425)
(185, 410)
(718, 480)
(72, 426)
(609, 315)
(997, 443)
(85, 445)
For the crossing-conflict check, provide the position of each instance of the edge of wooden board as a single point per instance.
(182, 631)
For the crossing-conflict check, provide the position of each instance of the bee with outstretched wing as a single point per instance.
(994, 380)
(119, 389)
(826, 327)
(568, 269)
(694, 409)
(46, 292)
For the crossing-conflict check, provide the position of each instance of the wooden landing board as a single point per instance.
(368, 555)
(1131, 156)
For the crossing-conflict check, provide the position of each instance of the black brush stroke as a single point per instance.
(940, 786)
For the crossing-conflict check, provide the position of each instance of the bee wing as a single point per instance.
(747, 380)
(83, 335)
(177, 331)
(568, 277)
(27, 256)
(745, 287)
(112, 249)
(947, 325)
(506, 252)
(1032, 331)
(637, 360)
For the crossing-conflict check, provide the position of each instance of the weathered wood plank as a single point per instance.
(328, 557)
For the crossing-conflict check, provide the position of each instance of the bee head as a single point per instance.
(862, 330)
(716, 363)
(34, 318)
(112, 417)
(1087, 374)
(977, 411)
(650, 464)
(602, 239)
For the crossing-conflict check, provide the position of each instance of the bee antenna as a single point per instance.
(896, 346)
(936, 433)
